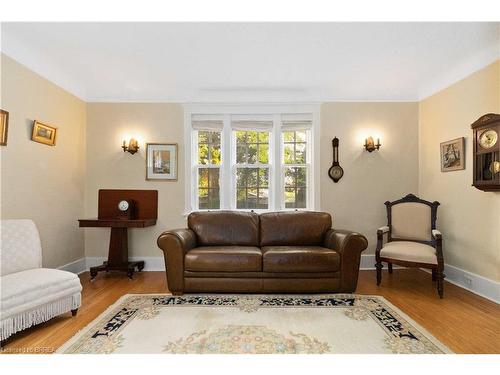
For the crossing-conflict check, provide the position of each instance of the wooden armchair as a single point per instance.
(412, 238)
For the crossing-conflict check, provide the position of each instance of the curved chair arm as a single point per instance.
(436, 234)
(382, 230)
(380, 237)
(349, 245)
(437, 239)
(175, 243)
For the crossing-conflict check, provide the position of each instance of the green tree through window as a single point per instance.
(252, 170)
(209, 156)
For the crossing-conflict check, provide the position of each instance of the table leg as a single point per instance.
(118, 255)
(118, 249)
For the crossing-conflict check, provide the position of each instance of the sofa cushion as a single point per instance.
(223, 259)
(300, 259)
(27, 289)
(225, 228)
(294, 228)
(409, 251)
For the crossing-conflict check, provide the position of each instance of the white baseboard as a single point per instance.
(150, 263)
(474, 283)
(78, 266)
(367, 262)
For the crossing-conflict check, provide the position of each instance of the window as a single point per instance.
(209, 160)
(252, 169)
(295, 169)
(295, 165)
(259, 161)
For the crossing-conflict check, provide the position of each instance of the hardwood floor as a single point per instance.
(463, 321)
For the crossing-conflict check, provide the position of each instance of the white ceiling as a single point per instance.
(210, 62)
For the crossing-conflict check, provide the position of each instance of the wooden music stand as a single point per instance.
(145, 215)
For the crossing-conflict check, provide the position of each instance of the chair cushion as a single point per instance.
(223, 259)
(300, 259)
(294, 228)
(409, 251)
(225, 228)
(27, 289)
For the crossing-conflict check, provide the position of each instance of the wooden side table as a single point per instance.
(146, 202)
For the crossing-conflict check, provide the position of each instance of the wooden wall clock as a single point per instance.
(335, 172)
(486, 144)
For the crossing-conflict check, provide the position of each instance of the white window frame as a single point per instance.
(235, 166)
(276, 162)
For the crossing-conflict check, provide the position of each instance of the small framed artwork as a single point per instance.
(161, 161)
(43, 133)
(453, 155)
(4, 127)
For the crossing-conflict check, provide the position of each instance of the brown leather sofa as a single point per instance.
(243, 252)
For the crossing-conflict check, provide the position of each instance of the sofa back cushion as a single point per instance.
(20, 247)
(293, 228)
(225, 228)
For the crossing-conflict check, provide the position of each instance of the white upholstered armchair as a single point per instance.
(30, 294)
(412, 238)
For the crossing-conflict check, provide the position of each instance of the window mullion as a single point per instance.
(227, 180)
(276, 189)
(194, 170)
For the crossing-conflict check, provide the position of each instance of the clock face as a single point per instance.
(123, 206)
(336, 172)
(488, 138)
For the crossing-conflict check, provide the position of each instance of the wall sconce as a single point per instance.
(132, 147)
(370, 144)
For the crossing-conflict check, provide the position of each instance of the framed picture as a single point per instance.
(161, 161)
(453, 155)
(43, 133)
(4, 127)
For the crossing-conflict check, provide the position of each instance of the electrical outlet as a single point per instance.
(468, 281)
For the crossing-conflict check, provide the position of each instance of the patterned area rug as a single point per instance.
(252, 324)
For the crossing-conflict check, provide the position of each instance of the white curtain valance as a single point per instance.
(252, 122)
(252, 125)
(207, 122)
(296, 125)
(296, 121)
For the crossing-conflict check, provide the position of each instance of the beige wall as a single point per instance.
(468, 217)
(111, 168)
(41, 182)
(357, 200)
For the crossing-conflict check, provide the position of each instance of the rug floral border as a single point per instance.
(403, 335)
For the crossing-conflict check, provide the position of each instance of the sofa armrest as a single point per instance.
(175, 243)
(349, 245)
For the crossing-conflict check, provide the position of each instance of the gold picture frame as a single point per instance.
(44, 133)
(453, 155)
(4, 127)
(162, 161)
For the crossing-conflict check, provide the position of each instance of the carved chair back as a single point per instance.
(411, 219)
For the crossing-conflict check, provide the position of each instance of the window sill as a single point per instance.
(186, 213)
